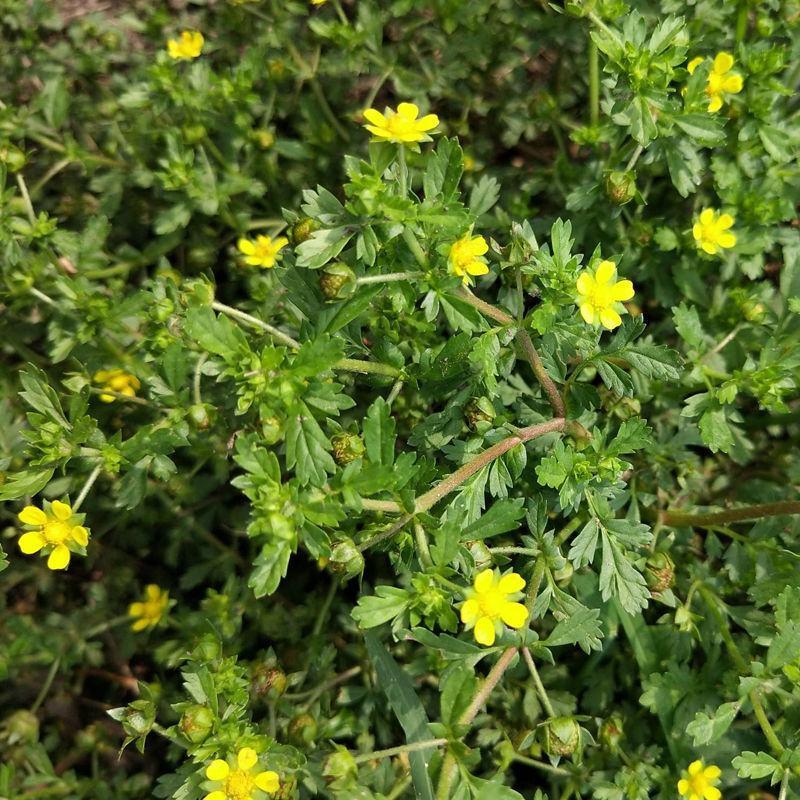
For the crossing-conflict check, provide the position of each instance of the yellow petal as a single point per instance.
(477, 268)
(694, 64)
(585, 283)
(712, 772)
(140, 624)
(511, 583)
(695, 767)
(217, 770)
(59, 558)
(136, 609)
(715, 104)
(514, 614)
(723, 62)
(724, 221)
(246, 246)
(709, 247)
(683, 786)
(484, 581)
(428, 122)
(61, 511)
(478, 246)
(727, 240)
(280, 243)
(470, 611)
(268, 781)
(587, 312)
(707, 216)
(484, 632)
(605, 272)
(216, 795)
(31, 515)
(622, 290)
(152, 592)
(609, 319)
(375, 117)
(383, 133)
(31, 542)
(712, 793)
(697, 231)
(246, 758)
(80, 535)
(733, 84)
(408, 111)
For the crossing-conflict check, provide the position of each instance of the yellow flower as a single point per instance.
(600, 295)
(721, 80)
(189, 45)
(491, 603)
(318, 2)
(465, 257)
(711, 231)
(116, 380)
(148, 612)
(400, 126)
(263, 252)
(53, 529)
(698, 782)
(238, 781)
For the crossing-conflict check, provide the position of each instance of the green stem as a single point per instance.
(532, 762)
(683, 519)
(634, 158)
(367, 367)
(414, 247)
(387, 534)
(594, 83)
(86, 487)
(713, 605)
(537, 682)
(522, 551)
(198, 375)
(413, 747)
(402, 167)
(381, 505)
(26, 198)
(256, 323)
(533, 587)
(389, 277)
(48, 682)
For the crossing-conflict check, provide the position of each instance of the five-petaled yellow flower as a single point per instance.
(698, 782)
(600, 295)
(263, 251)
(54, 529)
(116, 380)
(401, 126)
(721, 80)
(189, 45)
(148, 612)
(465, 257)
(711, 231)
(239, 781)
(318, 2)
(492, 602)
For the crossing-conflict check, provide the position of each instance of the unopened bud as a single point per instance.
(337, 281)
(196, 723)
(660, 572)
(478, 410)
(268, 682)
(347, 447)
(346, 559)
(302, 730)
(302, 229)
(562, 735)
(620, 187)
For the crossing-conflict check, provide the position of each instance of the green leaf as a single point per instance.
(708, 129)
(584, 545)
(457, 690)
(758, 765)
(484, 195)
(707, 728)
(323, 246)
(407, 708)
(215, 333)
(307, 448)
(502, 517)
(444, 169)
(270, 567)
(785, 647)
(632, 435)
(715, 430)
(582, 628)
(620, 579)
(387, 603)
(26, 483)
(687, 323)
(379, 433)
(39, 395)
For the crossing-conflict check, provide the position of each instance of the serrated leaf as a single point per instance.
(484, 195)
(583, 628)
(502, 517)
(707, 728)
(379, 433)
(307, 448)
(758, 765)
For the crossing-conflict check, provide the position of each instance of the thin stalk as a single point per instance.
(256, 323)
(414, 247)
(198, 375)
(684, 519)
(594, 83)
(398, 385)
(545, 767)
(381, 505)
(26, 198)
(42, 296)
(521, 551)
(384, 535)
(86, 487)
(414, 747)
(48, 682)
(402, 167)
(634, 158)
(784, 786)
(423, 548)
(368, 367)
(537, 682)
(388, 277)
(342, 677)
(139, 401)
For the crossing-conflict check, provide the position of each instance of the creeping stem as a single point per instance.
(686, 519)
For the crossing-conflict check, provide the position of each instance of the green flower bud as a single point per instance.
(302, 730)
(201, 415)
(267, 682)
(207, 649)
(641, 232)
(196, 723)
(611, 732)
(340, 767)
(21, 727)
(564, 575)
(197, 292)
(620, 187)
(579, 8)
(347, 447)
(193, 134)
(561, 736)
(660, 572)
(337, 281)
(12, 157)
(346, 559)
(478, 410)
(271, 429)
(301, 231)
(138, 718)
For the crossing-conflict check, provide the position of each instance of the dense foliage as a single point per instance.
(400, 399)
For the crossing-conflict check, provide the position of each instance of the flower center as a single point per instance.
(600, 296)
(491, 603)
(399, 126)
(56, 532)
(151, 610)
(238, 785)
(461, 256)
(698, 784)
(714, 85)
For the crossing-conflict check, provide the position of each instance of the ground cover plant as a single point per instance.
(400, 400)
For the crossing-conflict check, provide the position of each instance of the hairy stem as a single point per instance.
(537, 682)
(685, 519)
(594, 83)
(86, 487)
(413, 747)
